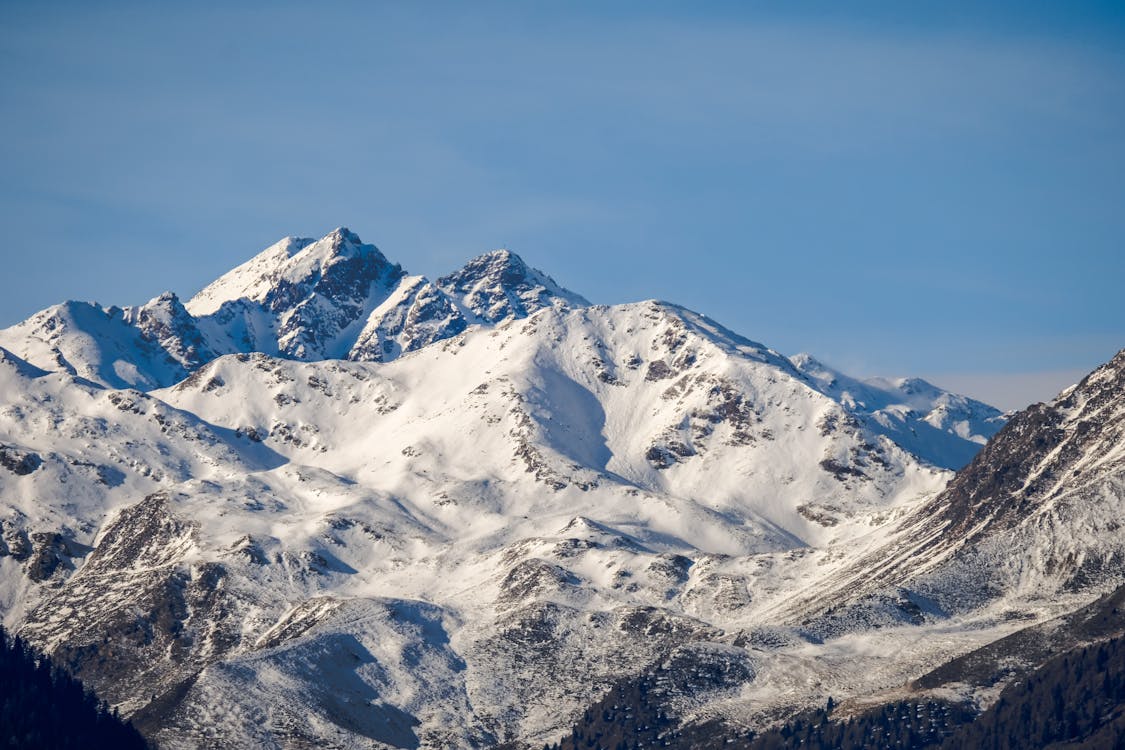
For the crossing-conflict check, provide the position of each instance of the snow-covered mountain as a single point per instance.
(332, 298)
(338, 298)
(327, 503)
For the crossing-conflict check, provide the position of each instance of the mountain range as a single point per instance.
(324, 503)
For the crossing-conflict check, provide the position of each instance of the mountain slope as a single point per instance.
(588, 490)
(102, 346)
(376, 510)
(1034, 517)
(943, 428)
(1009, 556)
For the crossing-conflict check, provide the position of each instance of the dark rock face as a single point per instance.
(50, 552)
(17, 461)
(534, 577)
(1034, 457)
(166, 323)
(672, 568)
(499, 286)
(658, 370)
(661, 457)
(841, 471)
(43, 553)
(331, 298)
(14, 541)
(135, 620)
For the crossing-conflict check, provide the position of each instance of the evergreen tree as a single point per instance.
(43, 707)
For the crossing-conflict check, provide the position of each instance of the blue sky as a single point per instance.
(898, 188)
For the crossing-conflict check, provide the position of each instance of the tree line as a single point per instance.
(1076, 700)
(43, 707)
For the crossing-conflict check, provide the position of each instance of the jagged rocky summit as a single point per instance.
(332, 298)
(325, 502)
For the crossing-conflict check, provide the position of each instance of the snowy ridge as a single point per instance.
(339, 298)
(101, 345)
(252, 280)
(332, 298)
(945, 428)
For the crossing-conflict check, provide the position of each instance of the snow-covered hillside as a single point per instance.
(1033, 520)
(329, 503)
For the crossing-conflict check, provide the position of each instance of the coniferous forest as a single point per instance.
(43, 707)
(1076, 700)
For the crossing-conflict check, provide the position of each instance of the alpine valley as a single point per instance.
(324, 503)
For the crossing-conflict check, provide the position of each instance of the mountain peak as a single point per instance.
(343, 241)
(290, 265)
(501, 256)
(500, 266)
(165, 321)
(808, 364)
(242, 279)
(499, 285)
